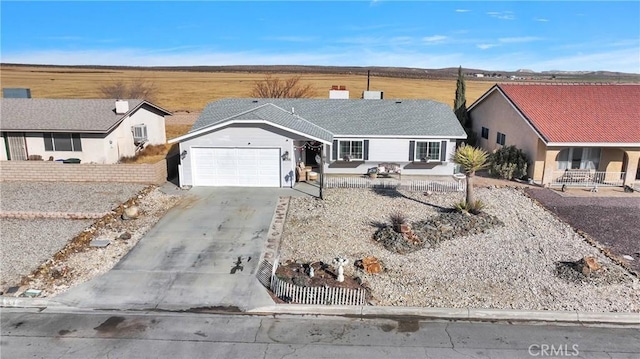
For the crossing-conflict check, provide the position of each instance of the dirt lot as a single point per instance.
(612, 221)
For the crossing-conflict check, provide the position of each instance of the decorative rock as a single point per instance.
(132, 212)
(100, 243)
(125, 236)
(371, 265)
(628, 257)
(589, 265)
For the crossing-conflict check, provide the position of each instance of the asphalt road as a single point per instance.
(89, 334)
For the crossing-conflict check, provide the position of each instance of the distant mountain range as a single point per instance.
(402, 72)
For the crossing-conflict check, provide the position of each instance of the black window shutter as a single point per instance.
(412, 148)
(77, 144)
(48, 143)
(366, 150)
(443, 151)
(334, 149)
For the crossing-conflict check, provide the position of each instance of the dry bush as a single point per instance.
(136, 88)
(274, 87)
(155, 152)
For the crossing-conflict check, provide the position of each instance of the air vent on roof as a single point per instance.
(255, 101)
(398, 101)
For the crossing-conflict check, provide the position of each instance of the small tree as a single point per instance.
(274, 87)
(136, 88)
(508, 162)
(471, 159)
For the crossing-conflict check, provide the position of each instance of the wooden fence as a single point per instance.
(411, 185)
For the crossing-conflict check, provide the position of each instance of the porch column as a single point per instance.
(631, 166)
(549, 165)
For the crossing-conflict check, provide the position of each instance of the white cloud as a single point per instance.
(463, 10)
(539, 19)
(434, 39)
(486, 46)
(502, 15)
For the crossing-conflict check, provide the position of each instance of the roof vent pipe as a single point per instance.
(293, 111)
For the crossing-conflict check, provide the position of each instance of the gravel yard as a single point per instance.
(65, 196)
(28, 243)
(612, 221)
(516, 266)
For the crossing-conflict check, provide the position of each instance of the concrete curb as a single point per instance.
(468, 314)
(365, 312)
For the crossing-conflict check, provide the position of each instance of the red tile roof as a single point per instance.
(580, 112)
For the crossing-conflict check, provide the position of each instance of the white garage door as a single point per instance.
(237, 167)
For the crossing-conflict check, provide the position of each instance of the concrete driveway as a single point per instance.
(203, 253)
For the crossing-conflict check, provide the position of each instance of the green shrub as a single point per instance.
(472, 207)
(508, 162)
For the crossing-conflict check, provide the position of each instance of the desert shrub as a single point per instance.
(398, 218)
(474, 207)
(508, 162)
(149, 151)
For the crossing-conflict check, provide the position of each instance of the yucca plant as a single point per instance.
(471, 159)
(472, 207)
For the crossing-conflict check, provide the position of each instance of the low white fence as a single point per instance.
(307, 295)
(587, 178)
(317, 295)
(383, 183)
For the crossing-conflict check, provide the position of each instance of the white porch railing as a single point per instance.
(385, 183)
(587, 178)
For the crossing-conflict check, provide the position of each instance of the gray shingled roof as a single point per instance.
(55, 115)
(350, 117)
(276, 115)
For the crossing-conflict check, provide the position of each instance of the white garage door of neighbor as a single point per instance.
(236, 167)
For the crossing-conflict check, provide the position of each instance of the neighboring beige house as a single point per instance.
(572, 133)
(93, 131)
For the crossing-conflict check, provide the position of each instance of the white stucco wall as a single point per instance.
(396, 150)
(242, 136)
(92, 149)
(155, 125)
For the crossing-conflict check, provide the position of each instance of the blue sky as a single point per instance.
(500, 35)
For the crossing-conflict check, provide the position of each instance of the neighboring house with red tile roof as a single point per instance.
(587, 127)
(91, 130)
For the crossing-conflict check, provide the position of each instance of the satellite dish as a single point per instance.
(318, 159)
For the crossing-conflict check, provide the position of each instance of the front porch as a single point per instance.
(589, 167)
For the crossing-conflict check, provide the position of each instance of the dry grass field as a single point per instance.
(181, 91)
(191, 90)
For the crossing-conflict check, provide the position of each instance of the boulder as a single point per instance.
(132, 212)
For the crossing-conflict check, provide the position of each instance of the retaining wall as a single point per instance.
(46, 171)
